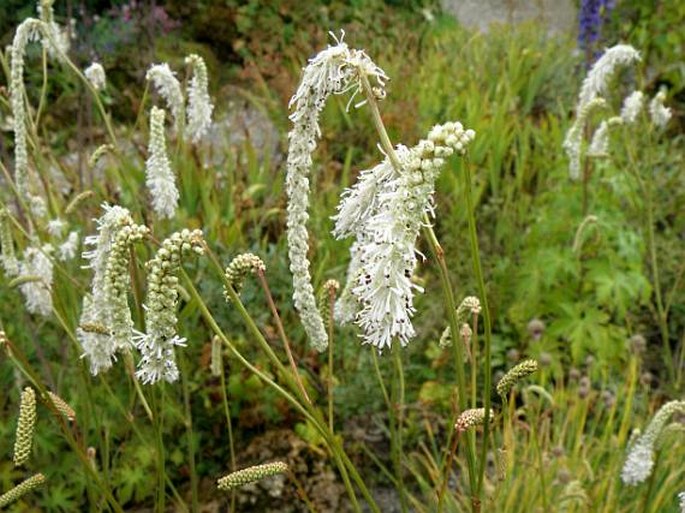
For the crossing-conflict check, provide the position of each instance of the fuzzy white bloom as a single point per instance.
(158, 360)
(27, 31)
(632, 105)
(599, 76)
(639, 463)
(591, 92)
(38, 206)
(385, 214)
(659, 114)
(68, 249)
(335, 70)
(159, 177)
(681, 499)
(599, 146)
(574, 137)
(200, 106)
(108, 225)
(36, 268)
(95, 74)
(169, 88)
(55, 38)
(640, 460)
(56, 227)
(94, 333)
(347, 305)
(9, 260)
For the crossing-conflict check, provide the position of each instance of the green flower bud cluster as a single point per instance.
(157, 345)
(327, 292)
(62, 406)
(25, 427)
(21, 489)
(471, 418)
(117, 284)
(251, 475)
(516, 373)
(239, 268)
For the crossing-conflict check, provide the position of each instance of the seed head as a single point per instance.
(515, 374)
(471, 418)
(25, 427)
(21, 489)
(62, 406)
(251, 475)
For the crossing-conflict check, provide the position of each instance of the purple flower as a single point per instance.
(593, 14)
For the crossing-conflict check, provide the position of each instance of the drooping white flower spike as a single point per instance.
(27, 31)
(599, 145)
(600, 75)
(55, 38)
(632, 105)
(659, 114)
(105, 327)
(335, 70)
(200, 106)
(384, 211)
(169, 88)
(159, 177)
(592, 92)
(640, 460)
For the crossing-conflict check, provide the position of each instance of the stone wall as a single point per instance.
(558, 15)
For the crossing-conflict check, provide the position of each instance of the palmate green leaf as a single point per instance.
(587, 329)
(134, 481)
(618, 290)
(59, 497)
(543, 271)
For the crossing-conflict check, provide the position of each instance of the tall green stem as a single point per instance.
(313, 415)
(478, 271)
(439, 255)
(398, 418)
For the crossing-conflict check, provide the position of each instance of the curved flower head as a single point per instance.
(640, 460)
(574, 137)
(335, 70)
(385, 214)
(159, 177)
(200, 106)
(55, 38)
(599, 77)
(95, 74)
(599, 145)
(27, 31)
(157, 345)
(632, 105)
(169, 88)
(659, 114)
